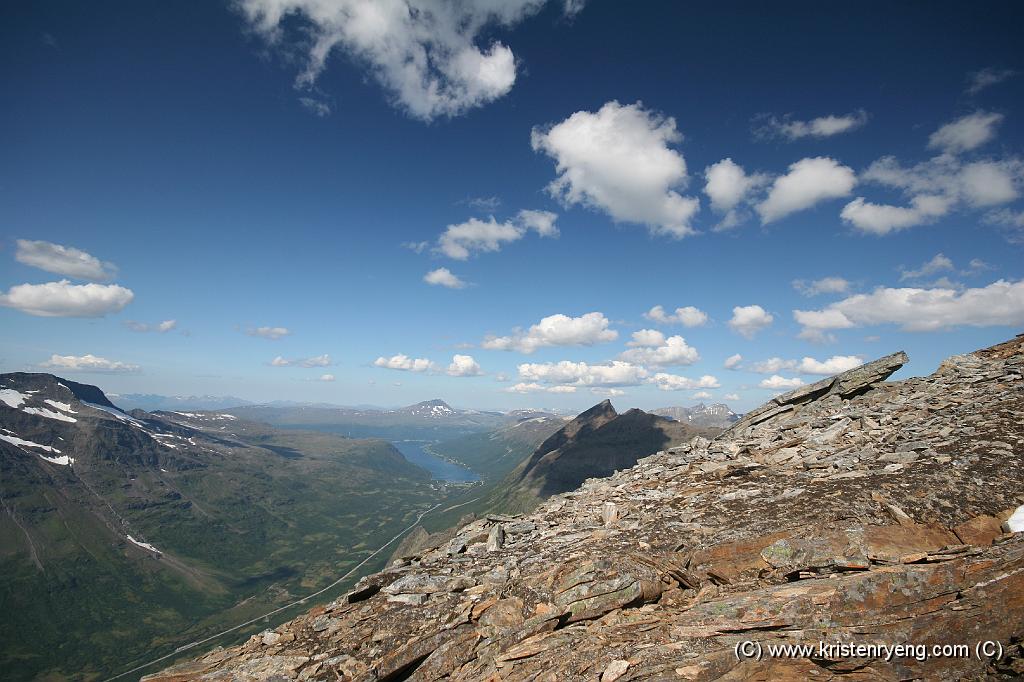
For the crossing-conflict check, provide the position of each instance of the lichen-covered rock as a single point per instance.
(852, 510)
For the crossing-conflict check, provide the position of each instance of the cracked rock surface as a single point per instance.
(853, 510)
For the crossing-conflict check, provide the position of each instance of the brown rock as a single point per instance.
(981, 530)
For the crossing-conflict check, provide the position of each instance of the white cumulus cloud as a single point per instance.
(808, 365)
(404, 363)
(618, 160)
(533, 387)
(935, 188)
(674, 382)
(917, 309)
(777, 382)
(674, 351)
(733, 361)
(833, 365)
(464, 366)
(808, 182)
(88, 363)
(425, 53)
(461, 240)
(63, 260)
(728, 185)
(63, 299)
(966, 133)
(646, 338)
(688, 316)
(556, 330)
(882, 219)
(566, 372)
(748, 320)
(326, 377)
(445, 278)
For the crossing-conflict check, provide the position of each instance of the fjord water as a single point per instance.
(440, 469)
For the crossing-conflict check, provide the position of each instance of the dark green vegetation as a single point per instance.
(245, 517)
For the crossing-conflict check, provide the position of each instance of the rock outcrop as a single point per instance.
(853, 511)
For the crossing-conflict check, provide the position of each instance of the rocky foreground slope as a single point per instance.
(852, 511)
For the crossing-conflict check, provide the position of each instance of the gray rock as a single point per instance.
(496, 538)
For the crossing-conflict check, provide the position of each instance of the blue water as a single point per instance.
(440, 469)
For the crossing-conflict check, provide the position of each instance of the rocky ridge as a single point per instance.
(853, 510)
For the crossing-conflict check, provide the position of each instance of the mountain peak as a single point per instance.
(602, 409)
(718, 415)
(430, 408)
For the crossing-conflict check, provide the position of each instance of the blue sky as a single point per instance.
(560, 169)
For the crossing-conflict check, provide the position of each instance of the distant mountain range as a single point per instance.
(131, 533)
(718, 415)
(428, 420)
(151, 402)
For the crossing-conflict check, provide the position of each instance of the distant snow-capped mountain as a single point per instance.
(719, 414)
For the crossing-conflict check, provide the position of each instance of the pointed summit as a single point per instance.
(430, 408)
(603, 408)
(594, 444)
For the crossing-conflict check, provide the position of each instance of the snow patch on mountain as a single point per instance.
(143, 545)
(12, 398)
(117, 413)
(21, 443)
(66, 407)
(49, 414)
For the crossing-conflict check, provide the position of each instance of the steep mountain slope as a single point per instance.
(717, 415)
(594, 444)
(124, 534)
(853, 511)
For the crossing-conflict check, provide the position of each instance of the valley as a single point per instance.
(163, 528)
(131, 535)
